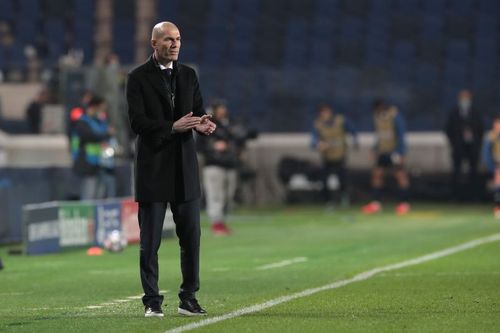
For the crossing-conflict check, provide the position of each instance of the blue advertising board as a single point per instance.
(107, 218)
(41, 228)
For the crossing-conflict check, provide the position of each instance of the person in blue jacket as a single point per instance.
(491, 158)
(88, 136)
(390, 151)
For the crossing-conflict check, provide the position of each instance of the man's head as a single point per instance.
(219, 110)
(464, 98)
(325, 112)
(95, 106)
(379, 105)
(43, 96)
(166, 42)
(496, 124)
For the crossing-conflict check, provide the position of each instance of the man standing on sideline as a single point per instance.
(165, 106)
(464, 129)
(390, 151)
(329, 137)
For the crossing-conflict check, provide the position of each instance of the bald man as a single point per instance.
(165, 107)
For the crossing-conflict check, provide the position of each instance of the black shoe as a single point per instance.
(153, 311)
(190, 307)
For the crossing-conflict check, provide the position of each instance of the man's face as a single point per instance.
(220, 112)
(95, 110)
(496, 126)
(464, 96)
(325, 114)
(167, 45)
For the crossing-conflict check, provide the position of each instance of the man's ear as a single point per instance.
(153, 43)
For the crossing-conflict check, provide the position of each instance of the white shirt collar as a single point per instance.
(170, 65)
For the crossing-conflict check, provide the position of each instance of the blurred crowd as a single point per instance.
(464, 129)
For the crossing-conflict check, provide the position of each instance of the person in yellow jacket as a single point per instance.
(390, 151)
(329, 137)
(491, 158)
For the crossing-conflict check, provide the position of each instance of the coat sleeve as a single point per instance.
(198, 109)
(139, 121)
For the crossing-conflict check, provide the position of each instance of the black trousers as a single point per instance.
(470, 154)
(187, 227)
(333, 168)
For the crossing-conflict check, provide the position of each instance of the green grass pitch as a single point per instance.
(71, 292)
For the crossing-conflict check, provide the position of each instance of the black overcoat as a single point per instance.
(166, 167)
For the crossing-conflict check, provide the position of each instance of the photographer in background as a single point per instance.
(222, 161)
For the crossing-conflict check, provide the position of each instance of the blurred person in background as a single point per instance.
(220, 171)
(491, 158)
(390, 150)
(34, 112)
(109, 150)
(464, 129)
(329, 137)
(86, 145)
(76, 112)
(107, 78)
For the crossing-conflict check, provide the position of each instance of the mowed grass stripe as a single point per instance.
(359, 277)
(50, 293)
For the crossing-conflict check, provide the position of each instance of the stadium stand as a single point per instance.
(420, 52)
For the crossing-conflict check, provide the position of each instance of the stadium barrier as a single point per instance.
(53, 226)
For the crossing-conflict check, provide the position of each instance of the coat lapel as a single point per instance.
(180, 82)
(154, 76)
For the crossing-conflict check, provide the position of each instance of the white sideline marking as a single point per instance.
(135, 297)
(359, 277)
(119, 301)
(282, 263)
(221, 269)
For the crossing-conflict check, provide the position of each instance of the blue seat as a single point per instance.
(123, 43)
(28, 9)
(458, 51)
(322, 53)
(248, 9)
(407, 7)
(486, 27)
(380, 7)
(240, 53)
(432, 28)
(426, 76)
(322, 29)
(296, 37)
(434, 7)
(167, 10)
(6, 10)
(84, 9)
(351, 29)
(462, 7)
(403, 52)
(326, 9)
